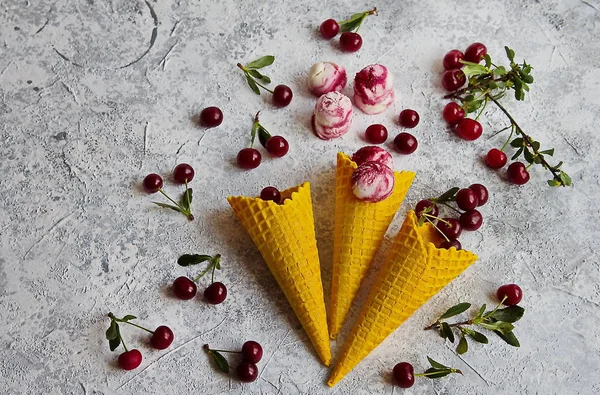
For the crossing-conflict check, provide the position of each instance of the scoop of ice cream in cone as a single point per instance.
(371, 153)
(373, 89)
(372, 182)
(333, 116)
(326, 77)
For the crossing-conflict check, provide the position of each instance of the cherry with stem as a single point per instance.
(275, 145)
(215, 293)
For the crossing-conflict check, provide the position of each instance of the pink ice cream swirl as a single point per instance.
(371, 153)
(326, 77)
(373, 89)
(372, 182)
(333, 116)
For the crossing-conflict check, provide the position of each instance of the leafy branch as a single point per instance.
(253, 75)
(184, 205)
(437, 370)
(490, 83)
(500, 321)
(355, 21)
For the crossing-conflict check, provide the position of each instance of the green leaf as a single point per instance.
(565, 179)
(433, 373)
(112, 331)
(352, 23)
(500, 70)
(252, 84)
(257, 74)
(526, 78)
(261, 62)
(128, 317)
(220, 361)
(463, 346)
(472, 69)
(518, 142)
(510, 54)
(509, 337)
(517, 154)
(263, 135)
(447, 331)
(525, 87)
(535, 145)
(478, 337)
(473, 105)
(488, 60)
(549, 152)
(456, 310)
(114, 343)
(504, 327)
(509, 314)
(192, 259)
(186, 199)
(554, 183)
(481, 310)
(436, 364)
(448, 195)
(165, 205)
(528, 156)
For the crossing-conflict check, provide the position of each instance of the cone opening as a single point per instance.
(287, 196)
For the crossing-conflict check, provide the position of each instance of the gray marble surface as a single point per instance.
(96, 94)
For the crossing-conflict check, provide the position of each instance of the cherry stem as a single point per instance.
(262, 86)
(512, 131)
(185, 212)
(138, 326)
(483, 109)
(527, 139)
(449, 206)
(438, 229)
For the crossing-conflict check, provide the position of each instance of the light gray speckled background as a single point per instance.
(80, 128)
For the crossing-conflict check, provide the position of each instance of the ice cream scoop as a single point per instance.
(372, 182)
(326, 77)
(333, 115)
(373, 89)
(371, 153)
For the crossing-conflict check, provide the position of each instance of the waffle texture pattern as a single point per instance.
(359, 230)
(285, 236)
(414, 270)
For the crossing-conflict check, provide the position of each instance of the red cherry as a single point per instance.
(453, 113)
(350, 41)
(248, 158)
(452, 59)
(247, 372)
(495, 158)
(469, 129)
(215, 293)
(271, 193)
(517, 173)
(408, 118)
(405, 143)
(424, 204)
(182, 173)
(453, 79)
(153, 183)
(475, 52)
(329, 29)
(471, 220)
(252, 351)
(481, 192)
(277, 146)
(211, 117)
(162, 337)
(184, 288)
(451, 228)
(466, 199)
(376, 134)
(282, 95)
(404, 375)
(513, 294)
(452, 243)
(130, 360)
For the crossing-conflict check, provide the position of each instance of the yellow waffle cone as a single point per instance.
(414, 270)
(285, 236)
(359, 230)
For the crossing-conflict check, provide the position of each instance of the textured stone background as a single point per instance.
(83, 119)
